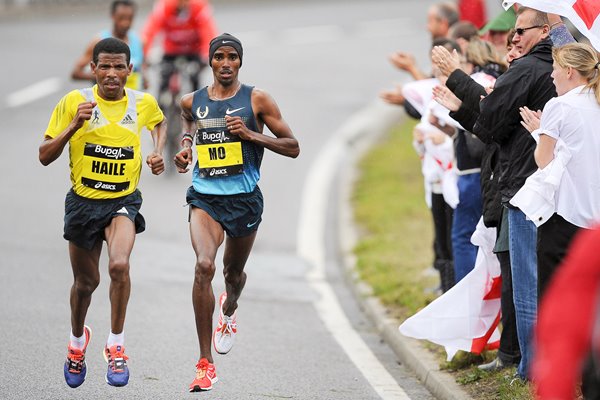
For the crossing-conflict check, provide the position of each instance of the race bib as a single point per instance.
(219, 154)
(107, 168)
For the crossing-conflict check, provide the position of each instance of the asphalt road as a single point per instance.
(324, 63)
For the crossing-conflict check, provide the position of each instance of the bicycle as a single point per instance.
(179, 75)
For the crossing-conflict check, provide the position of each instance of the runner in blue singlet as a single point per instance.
(224, 121)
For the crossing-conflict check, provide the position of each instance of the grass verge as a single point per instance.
(394, 252)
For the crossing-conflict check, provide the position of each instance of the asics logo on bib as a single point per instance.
(115, 153)
(214, 171)
(214, 137)
(105, 186)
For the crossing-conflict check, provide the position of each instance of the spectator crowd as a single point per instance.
(506, 135)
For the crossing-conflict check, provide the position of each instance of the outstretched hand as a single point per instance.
(403, 61)
(393, 96)
(531, 119)
(183, 160)
(445, 97)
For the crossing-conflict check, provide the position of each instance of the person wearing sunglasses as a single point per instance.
(526, 83)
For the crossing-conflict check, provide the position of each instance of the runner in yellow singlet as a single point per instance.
(102, 126)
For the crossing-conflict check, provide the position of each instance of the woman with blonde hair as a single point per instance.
(568, 154)
(567, 126)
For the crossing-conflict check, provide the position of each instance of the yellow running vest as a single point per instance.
(105, 153)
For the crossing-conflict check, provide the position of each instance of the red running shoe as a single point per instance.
(206, 375)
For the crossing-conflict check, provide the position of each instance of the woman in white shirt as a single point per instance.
(569, 124)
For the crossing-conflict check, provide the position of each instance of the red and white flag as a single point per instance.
(466, 317)
(582, 13)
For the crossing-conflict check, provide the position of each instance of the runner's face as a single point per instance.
(111, 75)
(225, 65)
(122, 20)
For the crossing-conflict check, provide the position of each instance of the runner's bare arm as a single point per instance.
(52, 148)
(183, 159)
(267, 113)
(79, 70)
(159, 136)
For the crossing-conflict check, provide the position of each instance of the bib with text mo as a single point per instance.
(107, 168)
(219, 155)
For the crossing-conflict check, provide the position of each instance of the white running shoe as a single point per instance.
(224, 334)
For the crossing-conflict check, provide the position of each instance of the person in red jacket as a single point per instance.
(187, 27)
(567, 335)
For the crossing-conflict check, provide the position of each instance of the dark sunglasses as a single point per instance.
(521, 31)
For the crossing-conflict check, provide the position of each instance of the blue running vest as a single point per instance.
(226, 164)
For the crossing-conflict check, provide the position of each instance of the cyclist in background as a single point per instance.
(187, 27)
(122, 13)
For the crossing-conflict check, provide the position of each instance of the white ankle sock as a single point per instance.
(115, 339)
(77, 342)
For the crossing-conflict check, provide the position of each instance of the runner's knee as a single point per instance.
(119, 269)
(85, 285)
(205, 269)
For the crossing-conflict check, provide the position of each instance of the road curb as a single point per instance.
(409, 351)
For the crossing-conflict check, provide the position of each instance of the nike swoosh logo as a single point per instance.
(226, 41)
(252, 224)
(228, 112)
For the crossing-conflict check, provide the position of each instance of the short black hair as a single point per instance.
(111, 46)
(117, 3)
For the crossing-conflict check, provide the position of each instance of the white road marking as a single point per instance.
(311, 247)
(33, 92)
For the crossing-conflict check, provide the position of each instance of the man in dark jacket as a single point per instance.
(526, 83)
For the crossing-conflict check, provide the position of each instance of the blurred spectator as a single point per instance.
(472, 11)
(187, 27)
(122, 13)
(462, 32)
(440, 17)
(567, 333)
(497, 30)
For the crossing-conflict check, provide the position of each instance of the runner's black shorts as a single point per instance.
(86, 219)
(239, 214)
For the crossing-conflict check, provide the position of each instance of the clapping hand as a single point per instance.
(531, 119)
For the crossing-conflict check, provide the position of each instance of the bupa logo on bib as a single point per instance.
(108, 152)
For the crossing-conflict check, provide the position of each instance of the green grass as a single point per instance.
(389, 204)
(395, 248)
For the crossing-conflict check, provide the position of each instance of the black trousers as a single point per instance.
(442, 243)
(553, 240)
(509, 351)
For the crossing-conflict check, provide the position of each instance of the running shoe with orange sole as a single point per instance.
(206, 376)
(224, 334)
(75, 368)
(117, 373)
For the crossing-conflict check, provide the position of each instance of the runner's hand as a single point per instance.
(156, 163)
(84, 113)
(183, 160)
(236, 126)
